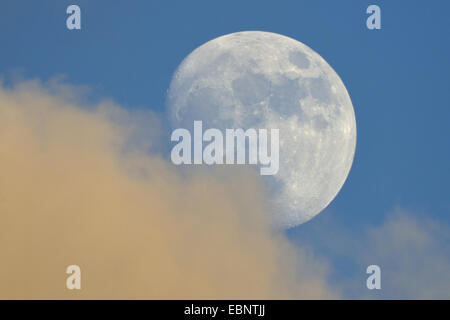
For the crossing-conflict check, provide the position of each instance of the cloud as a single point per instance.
(78, 186)
(87, 184)
(414, 254)
(412, 250)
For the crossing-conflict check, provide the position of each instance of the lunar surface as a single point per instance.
(259, 80)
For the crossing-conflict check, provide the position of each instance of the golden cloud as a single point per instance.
(74, 189)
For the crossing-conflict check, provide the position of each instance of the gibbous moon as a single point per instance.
(257, 79)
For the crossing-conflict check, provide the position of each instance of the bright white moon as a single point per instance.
(257, 80)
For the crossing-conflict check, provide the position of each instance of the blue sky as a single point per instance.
(397, 78)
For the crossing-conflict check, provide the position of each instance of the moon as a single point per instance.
(256, 79)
